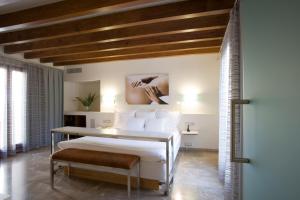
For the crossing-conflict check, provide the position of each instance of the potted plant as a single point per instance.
(87, 101)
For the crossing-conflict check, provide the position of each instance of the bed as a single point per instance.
(152, 154)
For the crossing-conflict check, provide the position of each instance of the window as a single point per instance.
(12, 110)
(18, 102)
(3, 115)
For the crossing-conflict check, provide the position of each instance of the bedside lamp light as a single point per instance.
(190, 101)
(108, 101)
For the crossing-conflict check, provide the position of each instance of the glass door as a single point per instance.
(18, 105)
(12, 111)
(3, 114)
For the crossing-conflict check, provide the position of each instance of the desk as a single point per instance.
(167, 138)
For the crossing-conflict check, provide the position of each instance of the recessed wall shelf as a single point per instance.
(81, 89)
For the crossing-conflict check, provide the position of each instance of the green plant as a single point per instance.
(87, 101)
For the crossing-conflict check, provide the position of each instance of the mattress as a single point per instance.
(152, 154)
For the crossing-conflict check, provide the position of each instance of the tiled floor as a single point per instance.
(26, 176)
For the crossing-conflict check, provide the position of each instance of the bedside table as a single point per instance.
(189, 132)
(188, 139)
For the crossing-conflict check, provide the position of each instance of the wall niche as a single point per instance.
(81, 89)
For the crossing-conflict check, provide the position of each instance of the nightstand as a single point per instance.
(189, 132)
(188, 139)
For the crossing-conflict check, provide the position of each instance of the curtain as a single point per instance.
(230, 82)
(41, 98)
(45, 105)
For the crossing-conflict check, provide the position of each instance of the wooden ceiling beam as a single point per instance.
(172, 11)
(62, 10)
(127, 44)
(142, 56)
(148, 49)
(156, 29)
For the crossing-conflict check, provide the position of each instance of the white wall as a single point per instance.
(193, 72)
(71, 90)
(199, 73)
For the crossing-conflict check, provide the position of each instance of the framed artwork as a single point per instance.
(147, 89)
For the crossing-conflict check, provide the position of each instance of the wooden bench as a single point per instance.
(98, 158)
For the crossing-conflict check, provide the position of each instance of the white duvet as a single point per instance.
(147, 150)
(153, 154)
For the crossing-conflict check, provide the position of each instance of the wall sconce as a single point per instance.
(189, 101)
(108, 101)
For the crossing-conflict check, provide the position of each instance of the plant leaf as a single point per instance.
(87, 101)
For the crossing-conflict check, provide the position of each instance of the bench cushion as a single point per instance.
(101, 158)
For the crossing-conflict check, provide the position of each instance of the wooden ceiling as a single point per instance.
(79, 31)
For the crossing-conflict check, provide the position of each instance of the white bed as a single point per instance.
(152, 154)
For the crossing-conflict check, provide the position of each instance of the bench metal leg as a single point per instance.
(167, 170)
(52, 173)
(52, 143)
(128, 184)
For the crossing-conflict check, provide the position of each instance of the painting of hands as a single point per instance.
(147, 89)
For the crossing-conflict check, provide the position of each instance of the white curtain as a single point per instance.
(230, 83)
(18, 107)
(3, 110)
(12, 109)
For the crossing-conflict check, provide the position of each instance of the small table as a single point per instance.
(189, 132)
(167, 138)
(188, 138)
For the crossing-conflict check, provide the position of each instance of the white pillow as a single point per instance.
(156, 125)
(134, 124)
(145, 114)
(173, 118)
(122, 117)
